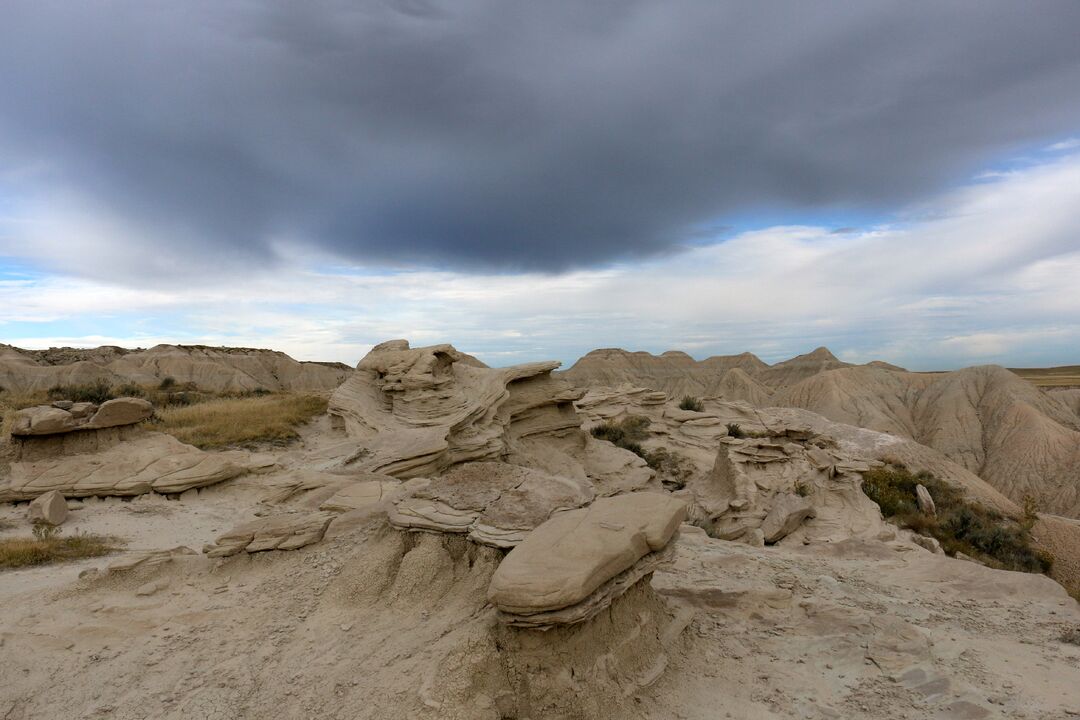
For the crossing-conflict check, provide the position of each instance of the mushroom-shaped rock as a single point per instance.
(121, 411)
(569, 557)
(50, 508)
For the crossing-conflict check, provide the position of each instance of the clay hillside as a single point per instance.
(212, 369)
(1020, 438)
(443, 540)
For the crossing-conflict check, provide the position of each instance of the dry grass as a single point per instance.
(239, 421)
(27, 552)
(1065, 376)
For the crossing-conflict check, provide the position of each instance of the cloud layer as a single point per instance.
(985, 273)
(156, 141)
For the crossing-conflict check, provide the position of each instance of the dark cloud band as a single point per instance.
(515, 135)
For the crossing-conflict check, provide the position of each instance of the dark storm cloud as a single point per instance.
(514, 135)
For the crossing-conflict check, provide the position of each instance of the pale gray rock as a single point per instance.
(926, 501)
(49, 508)
(786, 514)
(121, 411)
(42, 420)
(567, 558)
(287, 531)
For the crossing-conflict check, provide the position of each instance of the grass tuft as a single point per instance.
(689, 402)
(960, 525)
(49, 547)
(239, 421)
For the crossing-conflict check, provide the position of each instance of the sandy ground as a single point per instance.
(371, 623)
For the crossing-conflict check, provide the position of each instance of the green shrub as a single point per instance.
(689, 402)
(735, 430)
(167, 383)
(959, 525)
(626, 433)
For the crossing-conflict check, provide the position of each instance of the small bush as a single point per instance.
(48, 547)
(735, 430)
(689, 402)
(97, 392)
(167, 383)
(960, 526)
(626, 433)
(129, 390)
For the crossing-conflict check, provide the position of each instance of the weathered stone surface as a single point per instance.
(570, 556)
(927, 543)
(926, 501)
(288, 531)
(496, 503)
(150, 558)
(358, 495)
(597, 600)
(121, 411)
(132, 466)
(50, 508)
(66, 416)
(42, 420)
(417, 411)
(786, 514)
(774, 483)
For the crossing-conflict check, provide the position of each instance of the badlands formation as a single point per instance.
(451, 541)
(211, 369)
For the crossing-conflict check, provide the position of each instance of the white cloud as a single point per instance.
(988, 275)
(1070, 144)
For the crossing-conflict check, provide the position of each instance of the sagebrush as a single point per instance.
(959, 525)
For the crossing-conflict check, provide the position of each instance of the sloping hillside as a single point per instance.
(210, 369)
(1019, 439)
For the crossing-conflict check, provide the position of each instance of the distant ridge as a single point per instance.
(676, 373)
(214, 369)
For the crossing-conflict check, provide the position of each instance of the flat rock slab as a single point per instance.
(277, 532)
(153, 461)
(359, 495)
(570, 556)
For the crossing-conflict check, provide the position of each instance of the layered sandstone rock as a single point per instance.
(61, 417)
(287, 531)
(574, 564)
(495, 503)
(85, 451)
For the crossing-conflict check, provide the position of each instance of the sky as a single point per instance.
(894, 180)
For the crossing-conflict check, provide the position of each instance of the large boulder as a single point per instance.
(49, 508)
(572, 555)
